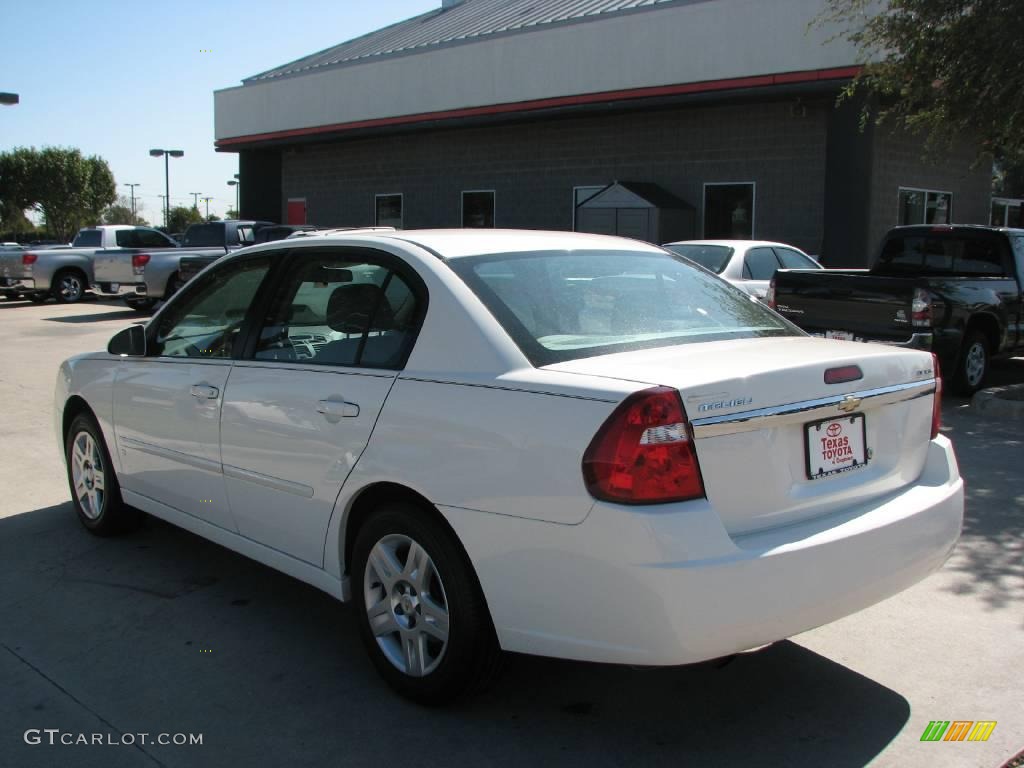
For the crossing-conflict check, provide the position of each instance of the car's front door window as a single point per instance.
(206, 322)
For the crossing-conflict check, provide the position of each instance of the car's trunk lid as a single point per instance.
(752, 403)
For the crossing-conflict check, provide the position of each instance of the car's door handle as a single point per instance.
(337, 409)
(205, 391)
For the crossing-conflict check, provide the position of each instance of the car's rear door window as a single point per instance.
(563, 305)
(791, 259)
(347, 309)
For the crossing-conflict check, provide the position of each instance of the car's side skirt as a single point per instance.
(310, 574)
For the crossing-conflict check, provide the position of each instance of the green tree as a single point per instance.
(941, 67)
(101, 191)
(231, 213)
(18, 179)
(120, 212)
(181, 216)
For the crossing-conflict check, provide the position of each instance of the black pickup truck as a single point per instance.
(953, 289)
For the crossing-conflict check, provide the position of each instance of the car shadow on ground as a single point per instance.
(123, 315)
(162, 631)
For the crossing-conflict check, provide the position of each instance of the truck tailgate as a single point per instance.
(11, 264)
(835, 302)
(114, 266)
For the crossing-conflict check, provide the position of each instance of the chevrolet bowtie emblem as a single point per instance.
(849, 403)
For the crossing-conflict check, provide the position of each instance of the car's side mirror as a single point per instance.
(130, 342)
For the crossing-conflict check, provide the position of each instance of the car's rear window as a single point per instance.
(204, 236)
(88, 238)
(940, 255)
(565, 305)
(713, 257)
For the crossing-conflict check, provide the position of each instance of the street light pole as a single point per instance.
(163, 204)
(167, 155)
(133, 186)
(237, 186)
(207, 201)
(195, 199)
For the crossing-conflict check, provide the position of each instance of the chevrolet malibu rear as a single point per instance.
(548, 443)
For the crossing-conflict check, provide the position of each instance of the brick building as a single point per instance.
(512, 113)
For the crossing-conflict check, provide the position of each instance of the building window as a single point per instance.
(924, 206)
(580, 195)
(729, 210)
(388, 212)
(1006, 212)
(478, 209)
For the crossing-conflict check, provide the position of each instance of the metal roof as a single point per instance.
(468, 21)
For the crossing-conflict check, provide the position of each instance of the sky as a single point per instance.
(116, 78)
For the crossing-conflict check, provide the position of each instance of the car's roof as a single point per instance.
(735, 243)
(458, 243)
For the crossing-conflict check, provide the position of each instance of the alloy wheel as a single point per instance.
(70, 288)
(88, 476)
(974, 364)
(406, 605)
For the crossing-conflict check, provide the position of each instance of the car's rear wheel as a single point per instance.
(421, 613)
(95, 491)
(68, 286)
(973, 365)
(172, 286)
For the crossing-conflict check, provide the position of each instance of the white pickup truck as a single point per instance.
(67, 272)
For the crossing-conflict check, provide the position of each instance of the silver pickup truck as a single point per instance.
(65, 273)
(143, 278)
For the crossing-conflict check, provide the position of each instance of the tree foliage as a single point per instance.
(941, 67)
(67, 188)
(181, 216)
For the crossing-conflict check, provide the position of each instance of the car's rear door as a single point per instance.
(299, 411)
(167, 404)
(759, 265)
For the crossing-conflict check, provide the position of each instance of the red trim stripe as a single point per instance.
(760, 81)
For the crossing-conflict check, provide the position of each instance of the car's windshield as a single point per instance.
(713, 257)
(564, 305)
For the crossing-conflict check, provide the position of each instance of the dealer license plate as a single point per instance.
(841, 335)
(115, 287)
(836, 445)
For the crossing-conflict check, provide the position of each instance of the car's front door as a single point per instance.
(167, 404)
(298, 412)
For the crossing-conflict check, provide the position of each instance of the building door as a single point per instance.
(296, 210)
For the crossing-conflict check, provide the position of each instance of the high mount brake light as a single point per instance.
(644, 453)
(843, 374)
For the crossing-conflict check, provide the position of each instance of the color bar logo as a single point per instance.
(958, 730)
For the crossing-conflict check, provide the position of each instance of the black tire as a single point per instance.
(69, 286)
(973, 365)
(141, 305)
(470, 658)
(11, 295)
(101, 511)
(172, 286)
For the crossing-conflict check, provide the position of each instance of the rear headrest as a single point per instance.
(350, 307)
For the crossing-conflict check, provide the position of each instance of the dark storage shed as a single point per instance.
(638, 210)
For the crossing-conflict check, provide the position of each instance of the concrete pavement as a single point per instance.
(163, 632)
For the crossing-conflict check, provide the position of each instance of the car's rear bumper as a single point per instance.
(668, 585)
(121, 289)
(17, 285)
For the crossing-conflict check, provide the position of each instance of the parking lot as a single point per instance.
(164, 632)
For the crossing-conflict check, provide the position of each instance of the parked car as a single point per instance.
(747, 264)
(544, 442)
(281, 231)
(67, 273)
(954, 289)
(146, 278)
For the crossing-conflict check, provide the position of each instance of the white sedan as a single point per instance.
(747, 264)
(551, 443)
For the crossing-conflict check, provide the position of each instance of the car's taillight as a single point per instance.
(28, 259)
(643, 453)
(770, 298)
(139, 261)
(937, 398)
(921, 309)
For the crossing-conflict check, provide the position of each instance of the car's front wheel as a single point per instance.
(421, 613)
(141, 305)
(95, 492)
